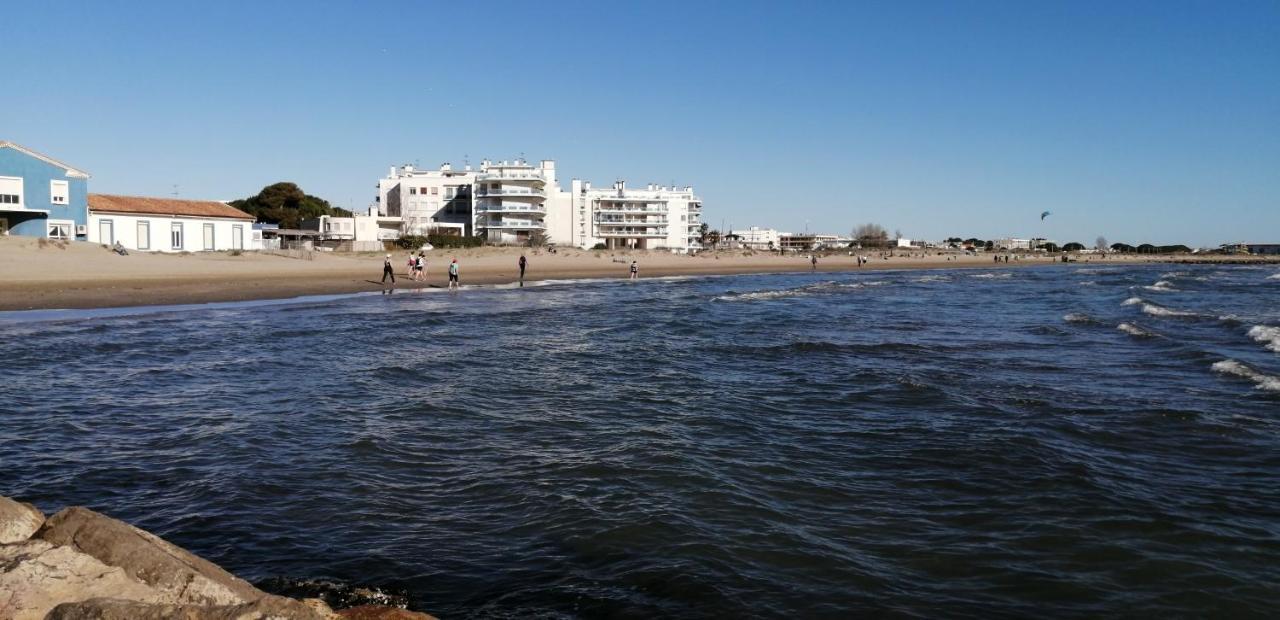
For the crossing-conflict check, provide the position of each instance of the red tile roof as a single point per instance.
(164, 206)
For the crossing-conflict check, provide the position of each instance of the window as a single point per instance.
(175, 235)
(58, 192)
(61, 229)
(450, 192)
(144, 235)
(106, 232)
(11, 191)
(435, 191)
(413, 191)
(208, 236)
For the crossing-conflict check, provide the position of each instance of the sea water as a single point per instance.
(1073, 440)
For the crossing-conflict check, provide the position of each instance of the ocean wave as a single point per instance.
(1268, 335)
(933, 278)
(1096, 270)
(1135, 331)
(1087, 283)
(1274, 276)
(800, 291)
(1237, 369)
(1155, 310)
(1132, 301)
(1079, 317)
(992, 276)
(1163, 286)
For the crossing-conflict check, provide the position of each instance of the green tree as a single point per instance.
(286, 204)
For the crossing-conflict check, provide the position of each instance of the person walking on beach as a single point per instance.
(410, 266)
(813, 262)
(419, 265)
(523, 262)
(422, 265)
(635, 270)
(453, 275)
(387, 270)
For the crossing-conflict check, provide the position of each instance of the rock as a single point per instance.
(378, 612)
(18, 521)
(35, 576)
(189, 580)
(266, 608)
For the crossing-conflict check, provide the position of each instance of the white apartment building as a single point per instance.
(514, 201)
(757, 238)
(428, 201)
(653, 218)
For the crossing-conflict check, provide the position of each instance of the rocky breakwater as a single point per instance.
(82, 565)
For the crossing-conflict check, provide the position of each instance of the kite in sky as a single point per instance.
(1044, 215)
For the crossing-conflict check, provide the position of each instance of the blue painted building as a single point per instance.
(41, 196)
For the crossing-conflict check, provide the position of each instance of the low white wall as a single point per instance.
(227, 234)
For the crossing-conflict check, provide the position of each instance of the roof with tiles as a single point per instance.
(165, 206)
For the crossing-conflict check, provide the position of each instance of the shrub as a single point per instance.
(411, 242)
(598, 246)
(236, 252)
(454, 241)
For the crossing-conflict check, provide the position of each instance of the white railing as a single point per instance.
(518, 208)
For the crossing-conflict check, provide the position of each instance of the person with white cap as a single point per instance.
(387, 270)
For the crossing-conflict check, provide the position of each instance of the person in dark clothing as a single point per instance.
(387, 270)
(524, 262)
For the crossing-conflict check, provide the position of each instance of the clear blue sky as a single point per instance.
(1144, 122)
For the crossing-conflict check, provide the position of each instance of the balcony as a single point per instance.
(510, 175)
(505, 192)
(632, 232)
(503, 208)
(607, 220)
(631, 210)
(512, 225)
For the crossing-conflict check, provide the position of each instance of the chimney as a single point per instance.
(446, 167)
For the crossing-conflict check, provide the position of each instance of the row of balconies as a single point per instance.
(510, 224)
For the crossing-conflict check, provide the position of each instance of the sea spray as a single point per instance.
(1268, 335)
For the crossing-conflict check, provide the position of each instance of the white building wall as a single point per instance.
(227, 234)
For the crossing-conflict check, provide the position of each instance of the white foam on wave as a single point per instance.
(1134, 330)
(933, 279)
(992, 276)
(1132, 301)
(1237, 369)
(1088, 283)
(802, 291)
(1078, 317)
(1163, 286)
(1155, 310)
(1174, 274)
(1268, 335)
(1274, 276)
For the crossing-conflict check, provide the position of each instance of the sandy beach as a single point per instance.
(46, 275)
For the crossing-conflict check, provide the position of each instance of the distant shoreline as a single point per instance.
(84, 276)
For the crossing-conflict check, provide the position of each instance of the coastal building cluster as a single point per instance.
(514, 202)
